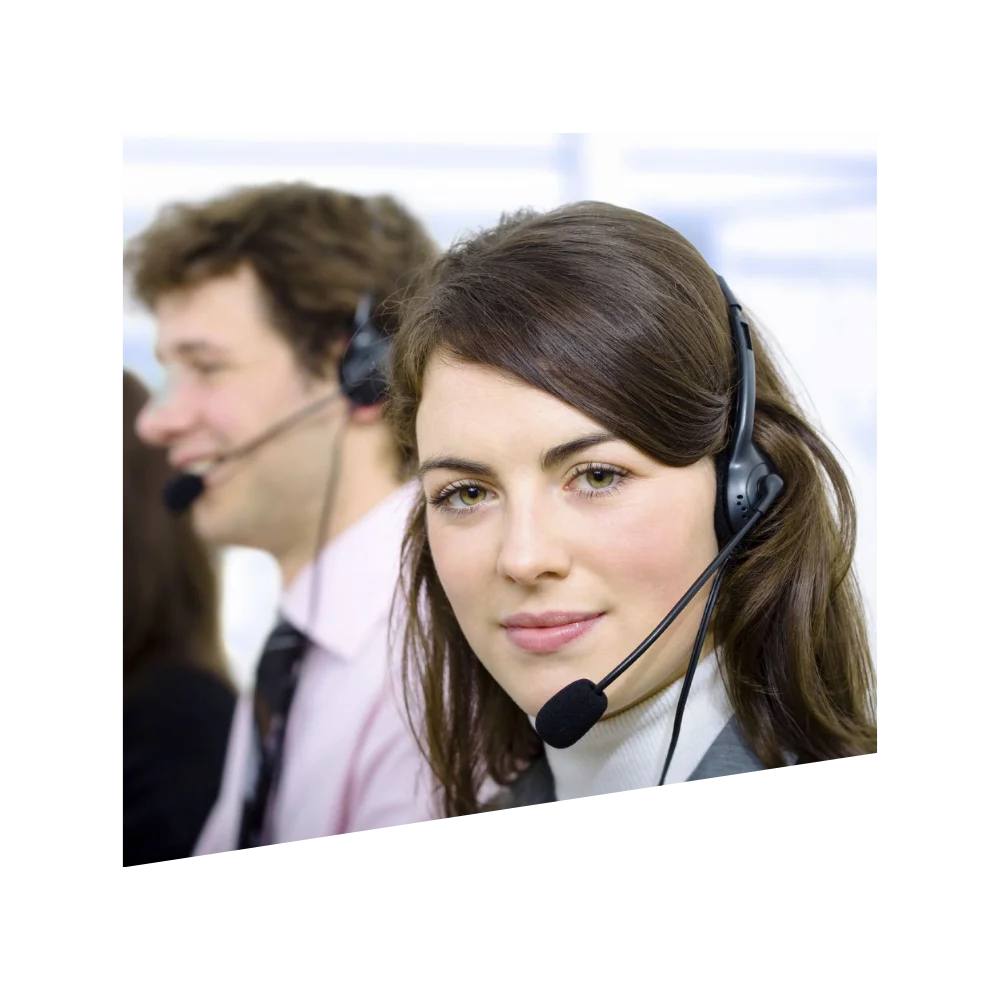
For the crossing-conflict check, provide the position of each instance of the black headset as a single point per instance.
(747, 486)
(363, 380)
(363, 366)
(741, 468)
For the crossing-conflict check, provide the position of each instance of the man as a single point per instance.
(256, 295)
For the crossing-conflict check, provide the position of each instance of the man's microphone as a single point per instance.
(182, 491)
(571, 712)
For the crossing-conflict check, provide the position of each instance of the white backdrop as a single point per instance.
(792, 230)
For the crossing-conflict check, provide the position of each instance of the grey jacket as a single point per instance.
(728, 754)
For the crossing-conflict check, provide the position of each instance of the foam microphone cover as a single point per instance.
(570, 713)
(182, 491)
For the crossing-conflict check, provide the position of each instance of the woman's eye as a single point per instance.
(466, 496)
(599, 478)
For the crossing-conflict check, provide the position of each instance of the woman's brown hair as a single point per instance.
(619, 316)
(170, 589)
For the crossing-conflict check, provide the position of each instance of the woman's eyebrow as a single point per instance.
(551, 458)
(557, 455)
(452, 464)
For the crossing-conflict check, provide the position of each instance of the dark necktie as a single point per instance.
(277, 675)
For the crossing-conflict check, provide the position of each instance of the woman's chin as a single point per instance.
(531, 697)
(532, 681)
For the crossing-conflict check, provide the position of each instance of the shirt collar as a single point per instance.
(357, 574)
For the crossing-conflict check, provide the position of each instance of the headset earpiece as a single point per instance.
(363, 367)
(741, 469)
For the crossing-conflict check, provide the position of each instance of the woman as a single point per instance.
(178, 700)
(565, 389)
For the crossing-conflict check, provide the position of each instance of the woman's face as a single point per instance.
(559, 546)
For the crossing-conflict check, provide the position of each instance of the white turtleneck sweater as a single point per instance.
(628, 750)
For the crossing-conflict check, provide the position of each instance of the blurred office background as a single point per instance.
(792, 230)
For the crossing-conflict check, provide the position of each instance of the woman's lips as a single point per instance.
(548, 632)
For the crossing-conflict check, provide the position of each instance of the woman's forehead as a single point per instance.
(471, 415)
(457, 395)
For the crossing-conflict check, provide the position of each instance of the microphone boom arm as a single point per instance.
(281, 426)
(770, 486)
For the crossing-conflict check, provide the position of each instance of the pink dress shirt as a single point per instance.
(350, 761)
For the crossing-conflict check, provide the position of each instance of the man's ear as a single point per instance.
(337, 350)
(367, 414)
(330, 361)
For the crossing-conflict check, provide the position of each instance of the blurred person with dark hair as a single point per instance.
(178, 700)
(256, 296)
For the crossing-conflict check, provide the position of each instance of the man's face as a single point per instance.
(230, 376)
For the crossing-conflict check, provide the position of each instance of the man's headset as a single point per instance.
(748, 485)
(363, 381)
